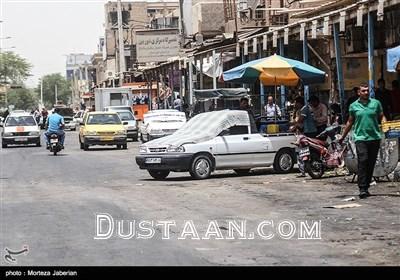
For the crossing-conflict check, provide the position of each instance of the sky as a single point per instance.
(45, 31)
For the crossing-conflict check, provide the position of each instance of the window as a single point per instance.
(235, 130)
(21, 121)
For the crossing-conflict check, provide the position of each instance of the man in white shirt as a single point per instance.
(178, 103)
(271, 109)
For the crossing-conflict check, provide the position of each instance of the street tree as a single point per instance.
(13, 68)
(22, 98)
(64, 91)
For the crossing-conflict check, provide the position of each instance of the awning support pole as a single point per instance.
(305, 60)
(371, 74)
(262, 92)
(339, 66)
(283, 89)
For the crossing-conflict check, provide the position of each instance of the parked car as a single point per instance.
(131, 127)
(118, 108)
(215, 141)
(160, 123)
(102, 128)
(68, 115)
(20, 128)
(78, 117)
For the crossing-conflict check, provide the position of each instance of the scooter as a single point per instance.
(55, 145)
(321, 155)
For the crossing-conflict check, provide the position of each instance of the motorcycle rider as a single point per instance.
(55, 124)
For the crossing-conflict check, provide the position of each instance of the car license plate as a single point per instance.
(21, 139)
(153, 160)
(53, 140)
(304, 152)
(106, 138)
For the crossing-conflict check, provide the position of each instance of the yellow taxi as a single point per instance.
(102, 128)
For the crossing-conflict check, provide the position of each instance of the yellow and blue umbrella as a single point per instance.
(275, 70)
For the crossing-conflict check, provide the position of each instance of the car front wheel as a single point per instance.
(159, 174)
(201, 167)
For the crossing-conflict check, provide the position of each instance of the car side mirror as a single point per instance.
(125, 123)
(224, 132)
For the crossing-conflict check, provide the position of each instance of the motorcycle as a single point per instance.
(55, 145)
(321, 155)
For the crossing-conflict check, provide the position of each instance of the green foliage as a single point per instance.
(22, 99)
(64, 91)
(13, 68)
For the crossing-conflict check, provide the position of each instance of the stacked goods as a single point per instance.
(391, 129)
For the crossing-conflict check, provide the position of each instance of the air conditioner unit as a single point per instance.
(110, 74)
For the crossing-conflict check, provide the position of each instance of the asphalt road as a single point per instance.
(50, 204)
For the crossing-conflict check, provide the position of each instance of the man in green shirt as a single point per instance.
(365, 114)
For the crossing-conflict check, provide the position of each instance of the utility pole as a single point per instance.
(181, 24)
(41, 92)
(55, 92)
(120, 44)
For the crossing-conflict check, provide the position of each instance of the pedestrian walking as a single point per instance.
(365, 114)
(178, 103)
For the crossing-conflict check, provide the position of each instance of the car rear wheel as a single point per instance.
(201, 167)
(284, 161)
(38, 144)
(4, 146)
(125, 146)
(85, 147)
(159, 174)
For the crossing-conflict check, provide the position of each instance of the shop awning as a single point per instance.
(393, 59)
(204, 94)
(87, 95)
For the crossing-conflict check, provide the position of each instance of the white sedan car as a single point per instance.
(160, 123)
(20, 128)
(217, 140)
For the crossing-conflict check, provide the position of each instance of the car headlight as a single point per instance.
(142, 149)
(34, 133)
(88, 133)
(6, 134)
(174, 149)
(119, 132)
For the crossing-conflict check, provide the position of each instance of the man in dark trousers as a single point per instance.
(365, 114)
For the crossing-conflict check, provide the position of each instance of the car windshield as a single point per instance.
(103, 119)
(21, 121)
(126, 116)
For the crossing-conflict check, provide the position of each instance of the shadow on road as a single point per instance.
(253, 173)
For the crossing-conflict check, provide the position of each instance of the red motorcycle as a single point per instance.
(320, 155)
